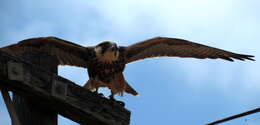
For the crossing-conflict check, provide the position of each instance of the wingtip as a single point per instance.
(248, 57)
(239, 57)
(251, 59)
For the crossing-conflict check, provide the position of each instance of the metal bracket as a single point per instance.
(15, 71)
(59, 89)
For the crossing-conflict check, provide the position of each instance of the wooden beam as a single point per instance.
(10, 107)
(60, 95)
(29, 112)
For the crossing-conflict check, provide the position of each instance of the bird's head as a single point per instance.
(107, 51)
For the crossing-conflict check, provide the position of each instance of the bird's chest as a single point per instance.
(105, 71)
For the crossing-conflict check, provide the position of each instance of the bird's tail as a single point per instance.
(130, 90)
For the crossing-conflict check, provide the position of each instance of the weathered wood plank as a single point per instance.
(79, 104)
(29, 112)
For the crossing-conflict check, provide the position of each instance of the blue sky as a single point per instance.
(172, 90)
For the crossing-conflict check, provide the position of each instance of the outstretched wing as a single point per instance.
(66, 52)
(163, 46)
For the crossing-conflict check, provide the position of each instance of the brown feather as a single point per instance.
(120, 86)
(163, 46)
(66, 52)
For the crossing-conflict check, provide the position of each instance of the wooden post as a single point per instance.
(10, 107)
(29, 111)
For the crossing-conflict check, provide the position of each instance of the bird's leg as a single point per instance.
(96, 90)
(111, 97)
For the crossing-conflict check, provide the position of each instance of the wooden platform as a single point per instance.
(58, 94)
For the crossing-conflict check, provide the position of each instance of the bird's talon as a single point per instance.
(100, 94)
(95, 92)
(112, 98)
(121, 103)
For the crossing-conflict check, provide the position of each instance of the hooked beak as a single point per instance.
(114, 49)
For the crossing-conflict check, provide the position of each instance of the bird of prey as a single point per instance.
(106, 61)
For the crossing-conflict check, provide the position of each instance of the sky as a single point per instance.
(172, 90)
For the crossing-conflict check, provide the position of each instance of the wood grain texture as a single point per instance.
(29, 111)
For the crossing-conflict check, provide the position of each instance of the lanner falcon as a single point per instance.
(106, 61)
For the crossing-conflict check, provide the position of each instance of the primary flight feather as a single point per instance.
(106, 61)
